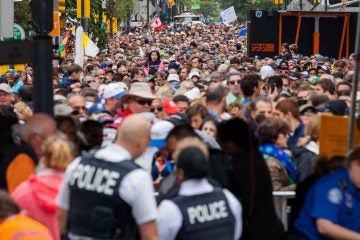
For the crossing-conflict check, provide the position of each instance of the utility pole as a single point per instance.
(6, 18)
(42, 16)
(354, 90)
(128, 17)
(148, 11)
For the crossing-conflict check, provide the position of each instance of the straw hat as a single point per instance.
(139, 89)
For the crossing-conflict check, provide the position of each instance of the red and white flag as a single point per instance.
(156, 24)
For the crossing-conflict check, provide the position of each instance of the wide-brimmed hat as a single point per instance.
(139, 89)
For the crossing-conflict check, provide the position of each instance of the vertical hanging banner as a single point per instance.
(86, 13)
(114, 25)
(79, 47)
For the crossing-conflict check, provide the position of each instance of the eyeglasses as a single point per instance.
(234, 82)
(143, 102)
(154, 109)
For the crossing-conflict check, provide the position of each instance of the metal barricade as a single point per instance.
(280, 202)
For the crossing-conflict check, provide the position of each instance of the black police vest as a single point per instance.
(205, 216)
(96, 209)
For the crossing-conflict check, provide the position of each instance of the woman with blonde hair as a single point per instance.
(36, 196)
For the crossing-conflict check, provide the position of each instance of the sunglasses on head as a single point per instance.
(143, 101)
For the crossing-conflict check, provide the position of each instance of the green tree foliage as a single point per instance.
(241, 6)
(22, 14)
(97, 27)
(210, 9)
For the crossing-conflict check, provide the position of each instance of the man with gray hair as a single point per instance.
(36, 129)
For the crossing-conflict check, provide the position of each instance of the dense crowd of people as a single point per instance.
(178, 134)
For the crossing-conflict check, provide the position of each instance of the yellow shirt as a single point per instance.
(21, 227)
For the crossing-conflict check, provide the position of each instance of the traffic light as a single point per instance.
(61, 6)
(42, 16)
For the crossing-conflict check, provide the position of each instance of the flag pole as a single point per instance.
(354, 89)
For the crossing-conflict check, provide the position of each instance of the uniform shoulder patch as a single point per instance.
(335, 196)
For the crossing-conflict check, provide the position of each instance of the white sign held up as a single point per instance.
(228, 15)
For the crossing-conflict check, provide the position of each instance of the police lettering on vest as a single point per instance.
(96, 207)
(96, 179)
(205, 216)
(207, 212)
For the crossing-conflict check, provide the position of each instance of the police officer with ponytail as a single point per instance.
(200, 210)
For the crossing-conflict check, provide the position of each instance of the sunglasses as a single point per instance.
(159, 109)
(233, 82)
(91, 81)
(143, 102)
(78, 108)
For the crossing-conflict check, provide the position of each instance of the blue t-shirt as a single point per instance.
(333, 197)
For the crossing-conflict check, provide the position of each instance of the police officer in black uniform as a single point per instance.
(105, 195)
(200, 211)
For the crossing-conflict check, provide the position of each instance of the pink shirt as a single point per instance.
(36, 196)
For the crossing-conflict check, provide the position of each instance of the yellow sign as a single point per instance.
(334, 135)
(86, 13)
(56, 29)
(278, 2)
(96, 18)
(114, 25)
(17, 67)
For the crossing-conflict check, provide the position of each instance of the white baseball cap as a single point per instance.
(194, 74)
(266, 71)
(5, 88)
(115, 90)
(173, 77)
(159, 132)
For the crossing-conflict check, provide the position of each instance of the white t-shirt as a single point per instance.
(136, 188)
(170, 218)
